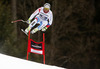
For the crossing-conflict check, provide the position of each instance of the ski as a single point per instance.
(24, 32)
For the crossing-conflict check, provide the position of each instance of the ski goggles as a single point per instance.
(46, 9)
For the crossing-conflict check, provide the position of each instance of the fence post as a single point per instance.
(28, 45)
(44, 48)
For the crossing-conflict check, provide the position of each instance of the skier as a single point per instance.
(42, 16)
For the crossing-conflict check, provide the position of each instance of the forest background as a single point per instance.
(72, 41)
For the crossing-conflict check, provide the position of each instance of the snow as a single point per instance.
(8, 62)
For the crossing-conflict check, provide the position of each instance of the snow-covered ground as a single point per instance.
(8, 62)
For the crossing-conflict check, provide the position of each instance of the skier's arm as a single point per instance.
(34, 14)
(49, 23)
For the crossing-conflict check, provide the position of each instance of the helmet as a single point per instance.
(46, 7)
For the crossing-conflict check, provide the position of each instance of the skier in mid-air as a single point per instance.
(42, 16)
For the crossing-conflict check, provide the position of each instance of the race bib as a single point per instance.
(43, 16)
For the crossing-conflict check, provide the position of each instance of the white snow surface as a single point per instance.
(8, 62)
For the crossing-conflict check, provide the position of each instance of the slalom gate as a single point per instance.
(36, 47)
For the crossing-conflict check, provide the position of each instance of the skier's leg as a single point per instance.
(32, 24)
(42, 25)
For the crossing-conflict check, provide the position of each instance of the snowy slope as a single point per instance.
(8, 62)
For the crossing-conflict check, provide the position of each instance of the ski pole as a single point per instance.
(20, 20)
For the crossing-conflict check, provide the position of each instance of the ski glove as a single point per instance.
(44, 29)
(29, 21)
